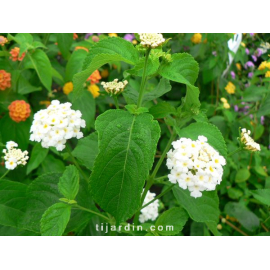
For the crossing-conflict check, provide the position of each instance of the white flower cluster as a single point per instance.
(150, 211)
(14, 157)
(249, 143)
(195, 165)
(56, 124)
(114, 87)
(152, 40)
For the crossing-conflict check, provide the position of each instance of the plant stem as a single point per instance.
(150, 180)
(77, 164)
(91, 211)
(233, 226)
(4, 174)
(235, 151)
(159, 196)
(143, 78)
(116, 101)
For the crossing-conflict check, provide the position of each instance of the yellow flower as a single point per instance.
(238, 66)
(267, 74)
(112, 35)
(94, 90)
(230, 88)
(243, 44)
(226, 105)
(134, 41)
(68, 87)
(264, 65)
(223, 100)
(196, 38)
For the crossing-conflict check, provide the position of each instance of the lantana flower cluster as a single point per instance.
(151, 40)
(114, 87)
(14, 157)
(230, 88)
(15, 52)
(5, 80)
(195, 165)
(19, 110)
(56, 124)
(249, 143)
(150, 212)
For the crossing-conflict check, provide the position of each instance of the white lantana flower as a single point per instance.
(152, 40)
(150, 212)
(56, 124)
(195, 165)
(114, 87)
(249, 143)
(14, 157)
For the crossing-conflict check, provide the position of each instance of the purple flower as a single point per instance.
(236, 108)
(88, 35)
(262, 120)
(247, 51)
(129, 37)
(258, 52)
(251, 116)
(250, 74)
(252, 34)
(247, 84)
(233, 74)
(254, 58)
(249, 64)
(214, 53)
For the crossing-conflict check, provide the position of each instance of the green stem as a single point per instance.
(4, 174)
(116, 101)
(159, 196)
(151, 178)
(77, 164)
(91, 211)
(235, 151)
(143, 78)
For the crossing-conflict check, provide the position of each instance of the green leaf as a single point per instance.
(248, 219)
(55, 220)
(127, 145)
(105, 51)
(25, 41)
(265, 107)
(12, 202)
(64, 41)
(41, 63)
(86, 104)
(183, 69)
(162, 109)
(86, 150)
(174, 218)
(24, 87)
(17, 132)
(203, 209)
(75, 64)
(212, 226)
(38, 154)
(262, 195)
(69, 182)
(42, 193)
(210, 131)
(234, 193)
(242, 175)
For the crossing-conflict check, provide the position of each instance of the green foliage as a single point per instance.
(127, 146)
(69, 183)
(55, 219)
(203, 209)
(64, 43)
(176, 217)
(262, 195)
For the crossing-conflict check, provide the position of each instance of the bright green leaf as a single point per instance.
(242, 175)
(64, 41)
(262, 195)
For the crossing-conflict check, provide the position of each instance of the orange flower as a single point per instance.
(81, 48)
(104, 73)
(15, 54)
(19, 110)
(5, 80)
(94, 77)
(75, 36)
(3, 40)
